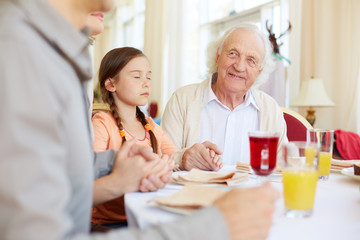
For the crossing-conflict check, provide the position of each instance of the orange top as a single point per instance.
(107, 136)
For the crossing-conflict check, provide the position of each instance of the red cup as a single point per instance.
(263, 152)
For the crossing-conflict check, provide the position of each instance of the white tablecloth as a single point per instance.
(336, 211)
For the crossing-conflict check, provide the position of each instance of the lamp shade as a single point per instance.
(312, 93)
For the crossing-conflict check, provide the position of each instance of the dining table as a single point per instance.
(336, 211)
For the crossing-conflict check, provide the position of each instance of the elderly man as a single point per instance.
(223, 109)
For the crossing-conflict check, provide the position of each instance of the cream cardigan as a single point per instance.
(182, 116)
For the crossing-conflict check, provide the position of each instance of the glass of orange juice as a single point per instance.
(299, 175)
(325, 140)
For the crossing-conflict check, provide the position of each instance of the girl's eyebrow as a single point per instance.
(139, 71)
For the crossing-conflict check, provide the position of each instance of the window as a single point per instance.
(218, 16)
(130, 20)
(212, 10)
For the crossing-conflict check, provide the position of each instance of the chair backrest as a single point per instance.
(97, 107)
(296, 125)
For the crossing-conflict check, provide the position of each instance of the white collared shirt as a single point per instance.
(229, 129)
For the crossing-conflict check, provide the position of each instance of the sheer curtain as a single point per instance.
(154, 40)
(171, 45)
(330, 50)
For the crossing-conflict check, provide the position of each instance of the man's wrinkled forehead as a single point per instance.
(247, 39)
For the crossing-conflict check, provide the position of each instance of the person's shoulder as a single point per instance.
(187, 88)
(14, 25)
(191, 90)
(154, 126)
(104, 116)
(152, 123)
(261, 96)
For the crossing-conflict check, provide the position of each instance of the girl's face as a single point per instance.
(133, 84)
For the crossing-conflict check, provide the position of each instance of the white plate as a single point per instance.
(350, 172)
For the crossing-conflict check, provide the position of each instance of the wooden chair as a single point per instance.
(97, 107)
(296, 125)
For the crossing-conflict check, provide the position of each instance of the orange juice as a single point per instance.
(324, 163)
(299, 188)
(310, 156)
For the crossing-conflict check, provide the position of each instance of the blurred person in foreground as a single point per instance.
(47, 166)
(95, 22)
(223, 109)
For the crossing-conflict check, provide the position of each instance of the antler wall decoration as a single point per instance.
(273, 39)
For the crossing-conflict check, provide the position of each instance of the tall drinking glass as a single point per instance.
(263, 152)
(325, 140)
(299, 174)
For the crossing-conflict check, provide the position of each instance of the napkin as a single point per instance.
(205, 177)
(191, 197)
(340, 164)
(245, 167)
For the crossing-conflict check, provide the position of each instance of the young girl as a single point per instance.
(125, 84)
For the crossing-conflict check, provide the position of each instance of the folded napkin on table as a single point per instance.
(205, 177)
(245, 167)
(191, 197)
(340, 164)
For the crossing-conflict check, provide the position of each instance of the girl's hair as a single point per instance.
(110, 67)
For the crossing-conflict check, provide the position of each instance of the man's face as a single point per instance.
(239, 63)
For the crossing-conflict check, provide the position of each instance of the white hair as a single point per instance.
(215, 47)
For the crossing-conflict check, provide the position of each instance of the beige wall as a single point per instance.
(330, 50)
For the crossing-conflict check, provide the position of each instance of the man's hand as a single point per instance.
(135, 168)
(144, 151)
(203, 156)
(248, 212)
(160, 175)
(130, 166)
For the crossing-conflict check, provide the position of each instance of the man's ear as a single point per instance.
(109, 85)
(260, 70)
(217, 57)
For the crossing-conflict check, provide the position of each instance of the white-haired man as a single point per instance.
(223, 109)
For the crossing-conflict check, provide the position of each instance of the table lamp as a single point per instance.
(312, 94)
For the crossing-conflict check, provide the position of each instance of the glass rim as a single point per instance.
(299, 143)
(320, 130)
(297, 158)
(263, 134)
